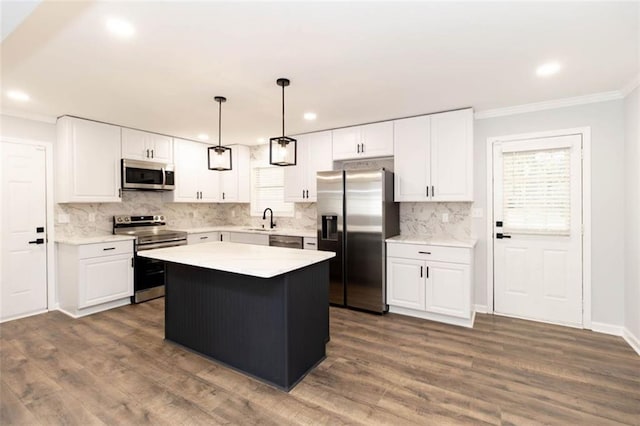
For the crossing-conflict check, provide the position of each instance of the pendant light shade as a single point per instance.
(219, 157)
(282, 149)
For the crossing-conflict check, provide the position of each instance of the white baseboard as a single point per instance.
(632, 340)
(601, 327)
(481, 309)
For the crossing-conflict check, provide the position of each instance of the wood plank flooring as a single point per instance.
(115, 368)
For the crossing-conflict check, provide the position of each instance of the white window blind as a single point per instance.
(537, 191)
(267, 190)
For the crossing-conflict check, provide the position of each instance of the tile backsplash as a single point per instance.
(415, 218)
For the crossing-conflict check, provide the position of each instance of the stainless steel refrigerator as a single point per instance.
(356, 213)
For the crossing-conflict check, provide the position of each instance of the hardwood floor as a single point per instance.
(115, 368)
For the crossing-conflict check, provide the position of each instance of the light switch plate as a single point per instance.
(445, 217)
(92, 217)
(63, 218)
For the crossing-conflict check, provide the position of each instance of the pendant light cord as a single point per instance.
(219, 123)
(283, 110)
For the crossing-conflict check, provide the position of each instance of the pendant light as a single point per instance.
(219, 157)
(282, 149)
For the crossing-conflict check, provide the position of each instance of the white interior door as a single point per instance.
(23, 289)
(537, 198)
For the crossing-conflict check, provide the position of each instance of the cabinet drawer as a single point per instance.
(203, 237)
(310, 243)
(249, 238)
(86, 251)
(427, 252)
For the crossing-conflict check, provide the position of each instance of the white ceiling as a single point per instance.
(350, 62)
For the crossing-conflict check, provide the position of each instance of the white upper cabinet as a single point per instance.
(433, 157)
(88, 157)
(366, 141)
(314, 155)
(195, 183)
(139, 145)
(452, 156)
(235, 184)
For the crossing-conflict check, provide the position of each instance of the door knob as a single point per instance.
(500, 236)
(37, 241)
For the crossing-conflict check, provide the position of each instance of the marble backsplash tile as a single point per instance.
(426, 219)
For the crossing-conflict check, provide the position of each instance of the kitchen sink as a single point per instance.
(259, 229)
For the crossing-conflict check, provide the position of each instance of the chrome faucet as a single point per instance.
(264, 216)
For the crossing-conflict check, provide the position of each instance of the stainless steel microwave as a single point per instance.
(147, 175)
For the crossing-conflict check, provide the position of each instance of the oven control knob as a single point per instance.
(127, 219)
(162, 218)
(119, 220)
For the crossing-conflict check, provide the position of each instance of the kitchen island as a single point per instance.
(260, 310)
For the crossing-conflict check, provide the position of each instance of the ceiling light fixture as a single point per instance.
(120, 27)
(310, 116)
(203, 137)
(282, 149)
(219, 157)
(548, 69)
(17, 95)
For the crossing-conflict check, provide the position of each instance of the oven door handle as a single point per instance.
(149, 246)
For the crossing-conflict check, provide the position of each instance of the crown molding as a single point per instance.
(553, 104)
(29, 116)
(630, 87)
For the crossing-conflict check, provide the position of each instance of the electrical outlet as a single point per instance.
(477, 212)
(92, 217)
(445, 217)
(63, 218)
(233, 213)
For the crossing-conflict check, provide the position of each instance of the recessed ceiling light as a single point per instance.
(203, 136)
(548, 69)
(17, 95)
(261, 140)
(120, 27)
(310, 115)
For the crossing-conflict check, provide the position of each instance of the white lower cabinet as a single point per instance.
(94, 277)
(203, 237)
(310, 243)
(430, 282)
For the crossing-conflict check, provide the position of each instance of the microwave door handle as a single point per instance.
(164, 177)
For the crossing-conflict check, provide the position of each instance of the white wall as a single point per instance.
(632, 213)
(606, 120)
(21, 128)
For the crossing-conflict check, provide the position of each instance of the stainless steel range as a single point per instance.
(150, 233)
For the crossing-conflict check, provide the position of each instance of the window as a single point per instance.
(537, 191)
(267, 190)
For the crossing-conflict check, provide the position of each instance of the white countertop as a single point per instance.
(246, 259)
(248, 229)
(95, 239)
(438, 241)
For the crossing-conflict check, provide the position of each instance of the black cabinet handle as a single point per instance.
(108, 248)
(358, 148)
(37, 241)
(433, 191)
(203, 238)
(223, 195)
(424, 252)
(421, 272)
(427, 272)
(427, 191)
(147, 153)
(151, 153)
(119, 192)
(362, 147)
(311, 244)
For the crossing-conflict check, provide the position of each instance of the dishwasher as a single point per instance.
(285, 241)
